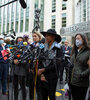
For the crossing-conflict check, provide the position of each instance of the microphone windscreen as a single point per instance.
(25, 43)
(23, 4)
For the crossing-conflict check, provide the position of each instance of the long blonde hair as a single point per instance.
(39, 35)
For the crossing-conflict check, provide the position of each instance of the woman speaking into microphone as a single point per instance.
(50, 69)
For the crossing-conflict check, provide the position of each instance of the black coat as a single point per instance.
(52, 70)
(80, 73)
(19, 69)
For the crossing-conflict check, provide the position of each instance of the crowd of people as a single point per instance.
(45, 62)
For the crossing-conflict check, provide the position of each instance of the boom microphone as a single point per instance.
(23, 4)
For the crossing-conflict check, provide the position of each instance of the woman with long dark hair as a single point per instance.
(80, 72)
(19, 73)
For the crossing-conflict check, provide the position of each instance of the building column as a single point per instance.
(15, 17)
(31, 16)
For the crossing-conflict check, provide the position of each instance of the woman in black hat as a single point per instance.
(50, 71)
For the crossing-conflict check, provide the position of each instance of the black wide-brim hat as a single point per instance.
(52, 32)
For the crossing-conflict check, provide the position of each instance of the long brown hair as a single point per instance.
(18, 38)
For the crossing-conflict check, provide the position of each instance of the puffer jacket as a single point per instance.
(81, 71)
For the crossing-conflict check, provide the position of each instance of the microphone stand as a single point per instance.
(8, 3)
(37, 26)
(35, 67)
(35, 75)
(35, 58)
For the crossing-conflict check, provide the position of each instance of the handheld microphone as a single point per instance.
(23, 4)
(41, 43)
(41, 46)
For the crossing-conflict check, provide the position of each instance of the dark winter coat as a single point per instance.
(52, 69)
(80, 73)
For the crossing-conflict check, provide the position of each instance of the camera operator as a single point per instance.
(19, 72)
(49, 74)
(4, 66)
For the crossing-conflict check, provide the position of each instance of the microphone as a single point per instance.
(14, 33)
(20, 44)
(25, 43)
(12, 36)
(42, 41)
(23, 4)
(41, 46)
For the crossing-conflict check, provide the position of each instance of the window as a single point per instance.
(8, 13)
(7, 26)
(64, 20)
(12, 24)
(88, 36)
(0, 16)
(0, 28)
(3, 27)
(16, 28)
(84, 10)
(53, 21)
(17, 11)
(26, 25)
(88, 10)
(22, 14)
(27, 10)
(42, 15)
(36, 4)
(21, 26)
(53, 5)
(64, 5)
